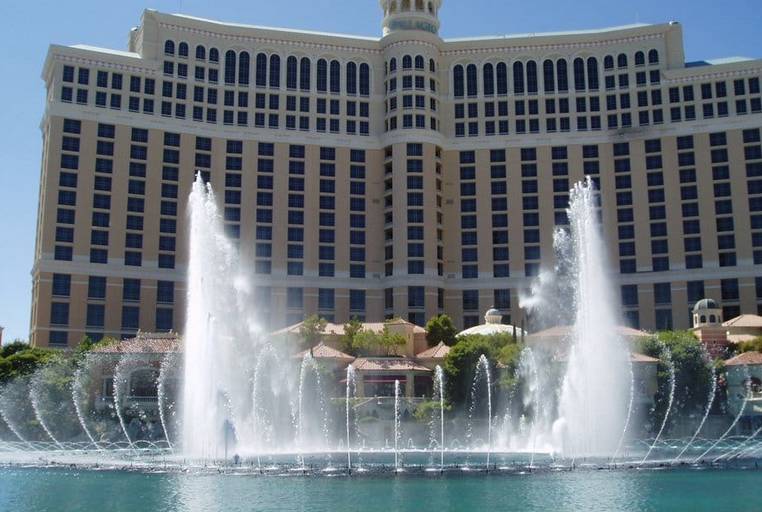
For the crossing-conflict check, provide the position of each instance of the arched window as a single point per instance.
(471, 86)
(592, 73)
(579, 74)
(653, 57)
(261, 70)
(488, 79)
(200, 53)
(640, 58)
(393, 7)
(291, 72)
(335, 77)
(431, 7)
(621, 60)
(712, 319)
(562, 75)
(418, 5)
(304, 74)
(457, 81)
(351, 78)
(393, 65)
(243, 68)
(274, 71)
(214, 55)
(608, 62)
(548, 74)
(502, 79)
(419, 62)
(364, 80)
(322, 75)
(405, 5)
(230, 67)
(703, 319)
(169, 47)
(532, 77)
(407, 62)
(182, 49)
(432, 66)
(518, 78)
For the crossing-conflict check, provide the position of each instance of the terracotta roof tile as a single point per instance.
(564, 331)
(746, 358)
(754, 321)
(397, 364)
(323, 351)
(338, 329)
(439, 351)
(143, 343)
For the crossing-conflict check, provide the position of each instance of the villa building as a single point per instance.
(397, 176)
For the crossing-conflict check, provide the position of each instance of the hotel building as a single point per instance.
(404, 175)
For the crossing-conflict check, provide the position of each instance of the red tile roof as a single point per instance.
(564, 331)
(143, 343)
(396, 364)
(332, 329)
(323, 351)
(746, 358)
(752, 321)
(439, 351)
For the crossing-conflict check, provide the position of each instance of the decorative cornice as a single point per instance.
(540, 47)
(271, 40)
(102, 63)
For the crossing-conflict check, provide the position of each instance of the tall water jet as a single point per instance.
(350, 392)
(218, 335)
(594, 392)
(709, 403)
(439, 391)
(672, 382)
(77, 397)
(481, 377)
(35, 383)
(167, 370)
(735, 420)
(396, 424)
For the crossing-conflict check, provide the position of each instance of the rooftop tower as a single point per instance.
(411, 15)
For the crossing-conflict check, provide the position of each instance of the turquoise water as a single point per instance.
(42, 490)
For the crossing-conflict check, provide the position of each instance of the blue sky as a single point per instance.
(712, 29)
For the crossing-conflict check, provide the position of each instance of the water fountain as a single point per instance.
(350, 393)
(672, 382)
(594, 393)
(242, 399)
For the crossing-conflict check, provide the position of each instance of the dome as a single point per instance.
(705, 304)
(493, 316)
(491, 330)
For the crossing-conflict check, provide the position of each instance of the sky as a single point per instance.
(712, 29)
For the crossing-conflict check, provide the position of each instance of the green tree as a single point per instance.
(440, 329)
(693, 372)
(384, 342)
(351, 330)
(312, 329)
(754, 345)
(22, 360)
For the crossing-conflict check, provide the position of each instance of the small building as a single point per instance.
(744, 380)
(743, 328)
(555, 342)
(493, 325)
(708, 327)
(415, 336)
(146, 352)
(434, 356)
(376, 377)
